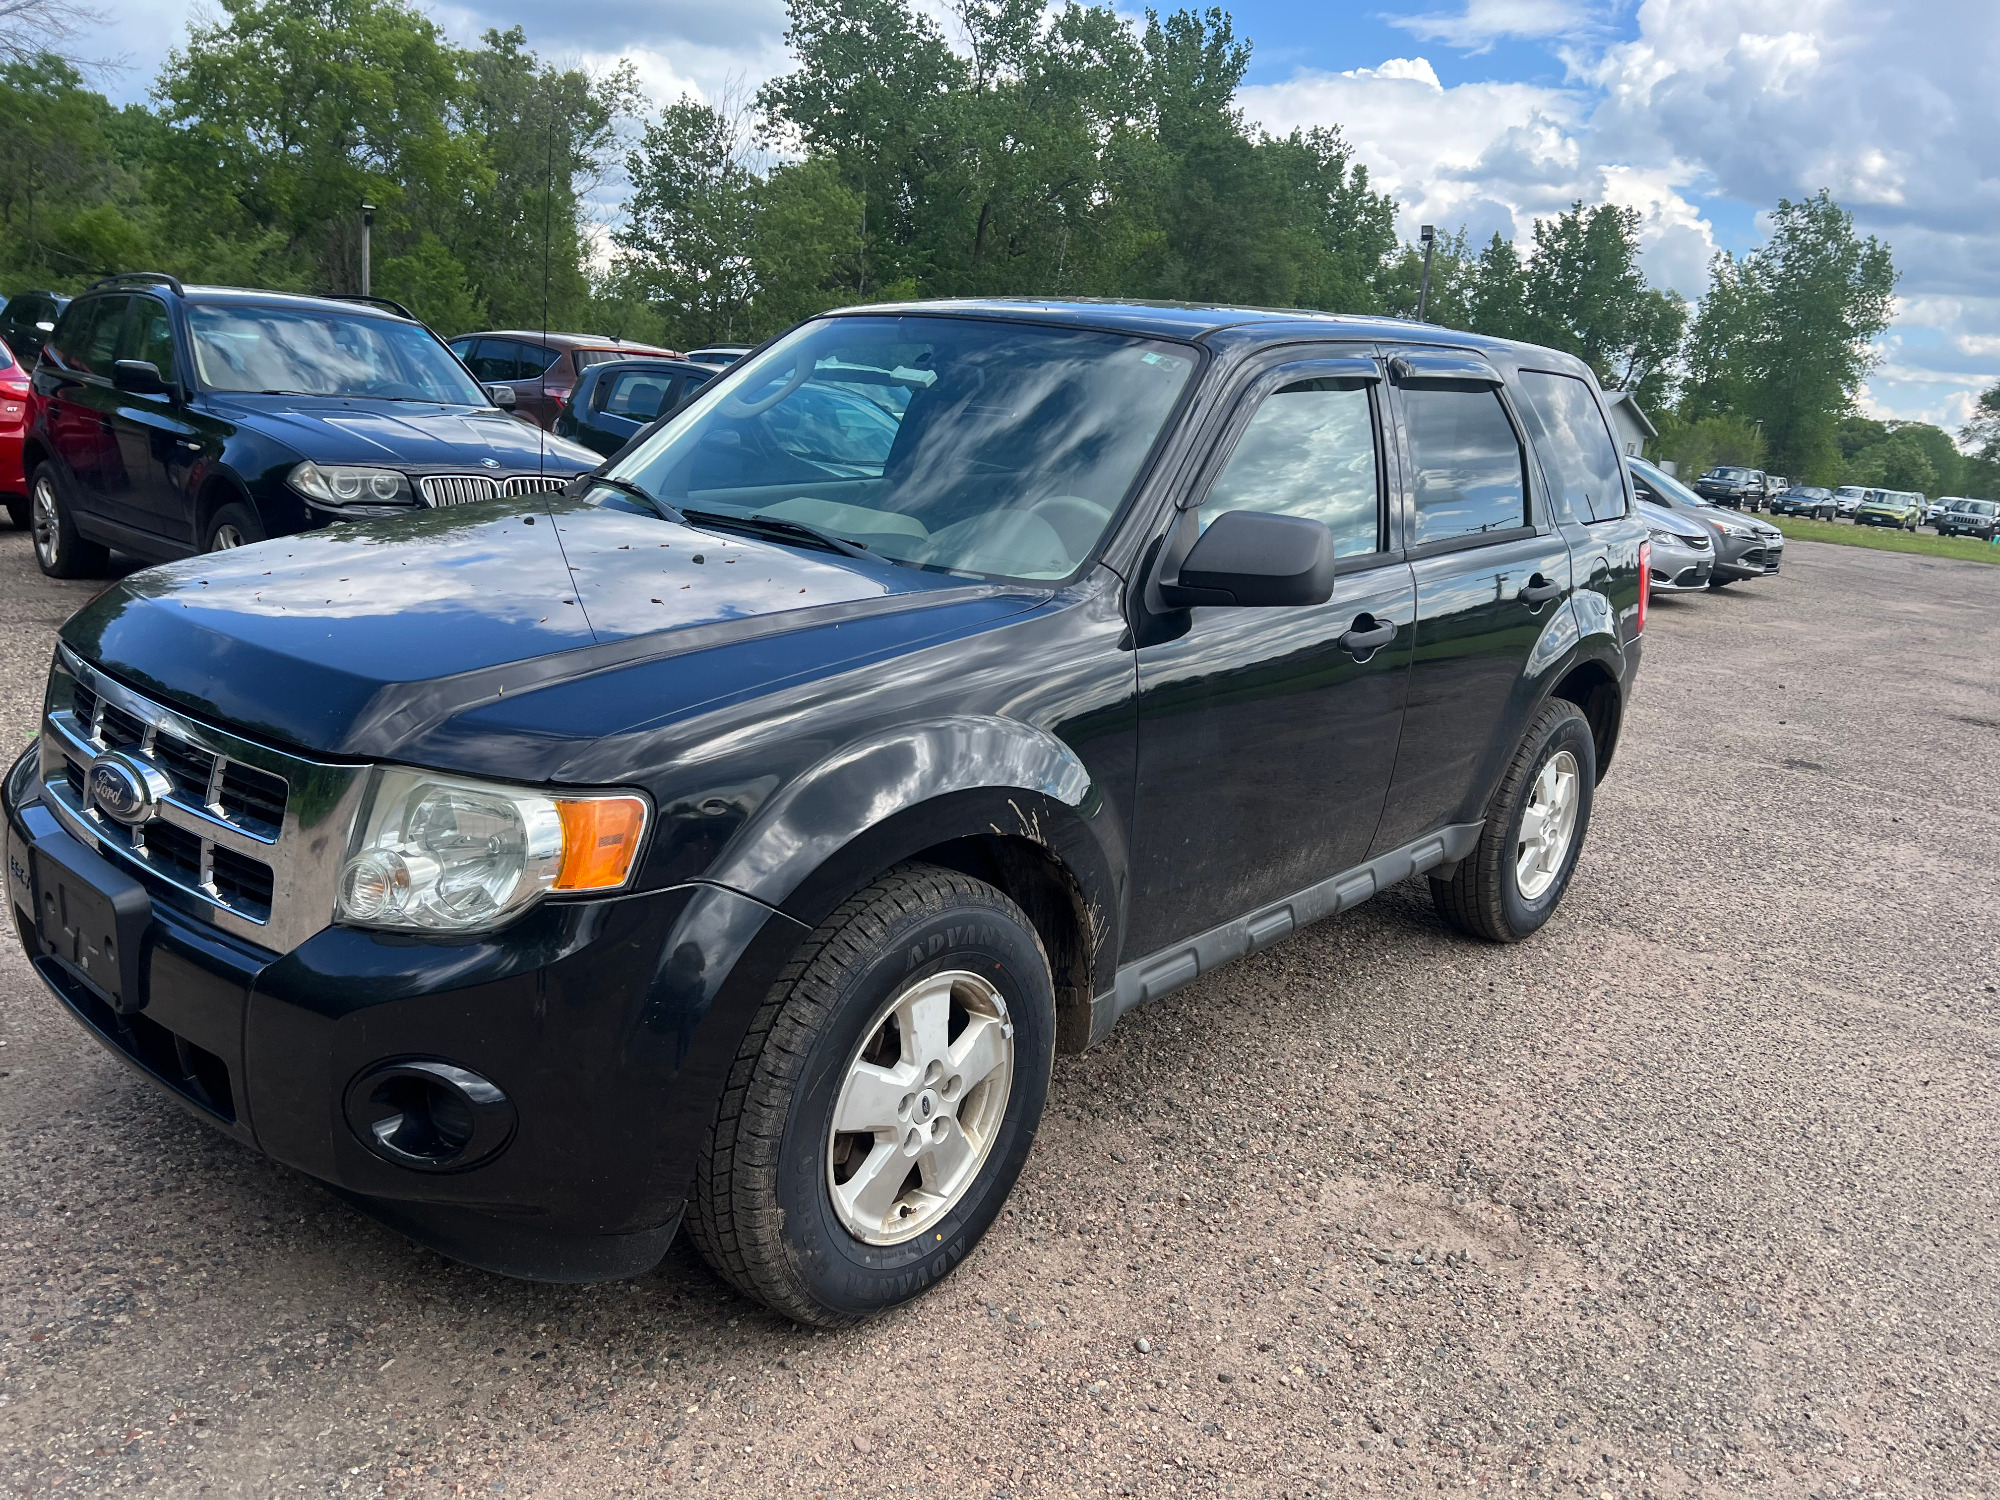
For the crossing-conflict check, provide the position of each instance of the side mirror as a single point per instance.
(501, 396)
(1254, 558)
(139, 376)
(46, 327)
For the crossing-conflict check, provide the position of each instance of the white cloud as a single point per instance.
(1484, 22)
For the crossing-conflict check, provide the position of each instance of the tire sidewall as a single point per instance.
(1571, 732)
(249, 524)
(842, 1273)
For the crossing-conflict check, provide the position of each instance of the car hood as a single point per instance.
(410, 435)
(362, 639)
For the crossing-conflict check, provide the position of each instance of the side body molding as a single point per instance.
(883, 798)
(1157, 974)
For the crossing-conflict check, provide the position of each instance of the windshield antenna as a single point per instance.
(548, 210)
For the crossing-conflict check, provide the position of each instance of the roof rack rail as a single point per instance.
(394, 307)
(142, 278)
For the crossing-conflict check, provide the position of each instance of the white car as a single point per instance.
(1849, 496)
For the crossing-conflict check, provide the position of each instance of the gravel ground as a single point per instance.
(1693, 1194)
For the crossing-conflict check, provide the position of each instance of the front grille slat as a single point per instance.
(175, 851)
(83, 703)
(441, 490)
(243, 883)
(119, 730)
(533, 484)
(191, 769)
(252, 797)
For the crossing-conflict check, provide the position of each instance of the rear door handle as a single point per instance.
(1367, 634)
(1540, 590)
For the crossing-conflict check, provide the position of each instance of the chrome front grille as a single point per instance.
(457, 489)
(249, 838)
(533, 484)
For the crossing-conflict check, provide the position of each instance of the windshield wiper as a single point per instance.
(778, 526)
(627, 487)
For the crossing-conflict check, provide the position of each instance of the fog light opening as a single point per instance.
(430, 1116)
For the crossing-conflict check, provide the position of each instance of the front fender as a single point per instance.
(878, 801)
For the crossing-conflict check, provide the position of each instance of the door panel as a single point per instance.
(156, 441)
(80, 404)
(1481, 604)
(1265, 747)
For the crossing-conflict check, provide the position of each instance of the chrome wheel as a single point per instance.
(47, 523)
(923, 1098)
(1548, 823)
(226, 536)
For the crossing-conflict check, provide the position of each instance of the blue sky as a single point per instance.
(1487, 113)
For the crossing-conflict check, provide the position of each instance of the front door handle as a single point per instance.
(1367, 634)
(1540, 590)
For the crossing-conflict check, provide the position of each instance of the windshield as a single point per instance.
(319, 352)
(1668, 489)
(965, 445)
(1732, 475)
(1980, 507)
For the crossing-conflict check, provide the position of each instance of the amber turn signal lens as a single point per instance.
(600, 841)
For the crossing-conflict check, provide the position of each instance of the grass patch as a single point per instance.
(1882, 539)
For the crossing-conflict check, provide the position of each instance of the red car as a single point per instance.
(13, 426)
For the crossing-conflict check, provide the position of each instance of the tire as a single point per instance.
(1484, 897)
(17, 511)
(1720, 583)
(764, 1212)
(235, 525)
(60, 549)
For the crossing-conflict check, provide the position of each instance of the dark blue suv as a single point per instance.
(170, 420)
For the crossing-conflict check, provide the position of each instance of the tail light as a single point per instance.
(1645, 583)
(558, 394)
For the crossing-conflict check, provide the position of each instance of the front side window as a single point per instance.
(1580, 449)
(1309, 451)
(964, 445)
(304, 351)
(1468, 464)
(150, 335)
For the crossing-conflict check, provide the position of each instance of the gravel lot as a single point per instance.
(1695, 1193)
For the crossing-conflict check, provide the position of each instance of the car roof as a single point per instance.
(662, 363)
(1184, 320)
(562, 340)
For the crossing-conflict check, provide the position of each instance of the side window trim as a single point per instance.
(1292, 366)
(1440, 368)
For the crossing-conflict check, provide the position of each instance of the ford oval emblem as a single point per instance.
(122, 789)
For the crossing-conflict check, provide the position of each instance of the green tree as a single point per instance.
(1783, 334)
(1699, 445)
(1497, 300)
(1585, 293)
(1898, 462)
(66, 199)
(1982, 432)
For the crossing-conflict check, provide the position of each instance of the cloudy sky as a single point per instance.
(1486, 113)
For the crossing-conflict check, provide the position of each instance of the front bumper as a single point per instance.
(1679, 569)
(1739, 558)
(608, 1025)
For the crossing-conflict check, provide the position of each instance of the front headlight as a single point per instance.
(1664, 538)
(343, 484)
(440, 854)
(1734, 530)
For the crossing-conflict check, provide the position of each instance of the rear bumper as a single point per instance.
(607, 1026)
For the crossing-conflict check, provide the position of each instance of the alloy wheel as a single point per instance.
(46, 522)
(1548, 823)
(922, 1100)
(226, 537)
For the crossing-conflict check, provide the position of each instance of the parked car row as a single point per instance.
(1739, 548)
(1744, 489)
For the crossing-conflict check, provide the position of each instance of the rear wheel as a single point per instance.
(60, 549)
(883, 1101)
(17, 512)
(1515, 876)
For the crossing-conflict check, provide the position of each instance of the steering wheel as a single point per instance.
(736, 406)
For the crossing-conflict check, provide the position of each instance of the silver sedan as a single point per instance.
(1683, 555)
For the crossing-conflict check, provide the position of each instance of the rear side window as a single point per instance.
(1580, 450)
(90, 334)
(1468, 464)
(638, 394)
(489, 360)
(1309, 451)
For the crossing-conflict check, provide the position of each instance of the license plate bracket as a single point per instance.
(93, 916)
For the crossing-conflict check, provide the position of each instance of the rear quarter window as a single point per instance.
(1578, 448)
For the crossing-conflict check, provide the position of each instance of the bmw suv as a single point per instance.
(170, 420)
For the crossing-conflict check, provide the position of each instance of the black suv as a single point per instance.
(1739, 489)
(173, 419)
(740, 834)
(617, 400)
(26, 320)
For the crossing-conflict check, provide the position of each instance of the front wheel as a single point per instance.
(883, 1101)
(1516, 874)
(235, 525)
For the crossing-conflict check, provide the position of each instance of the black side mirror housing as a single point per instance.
(139, 376)
(501, 396)
(1256, 559)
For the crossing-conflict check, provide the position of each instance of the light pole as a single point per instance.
(367, 232)
(1428, 234)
